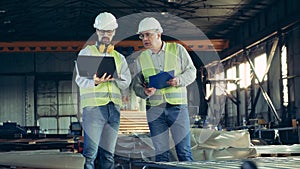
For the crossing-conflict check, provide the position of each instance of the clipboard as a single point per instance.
(89, 65)
(159, 80)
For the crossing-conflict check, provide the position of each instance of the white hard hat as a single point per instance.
(105, 21)
(149, 23)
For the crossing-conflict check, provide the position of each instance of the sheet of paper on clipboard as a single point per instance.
(159, 80)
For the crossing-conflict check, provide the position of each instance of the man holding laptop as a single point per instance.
(100, 96)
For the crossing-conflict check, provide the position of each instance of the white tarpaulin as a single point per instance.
(206, 145)
(221, 145)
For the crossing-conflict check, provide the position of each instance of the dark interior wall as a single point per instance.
(12, 99)
(17, 63)
(18, 73)
(13, 70)
(32, 63)
(293, 43)
(55, 62)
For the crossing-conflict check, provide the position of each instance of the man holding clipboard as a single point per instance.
(100, 95)
(165, 71)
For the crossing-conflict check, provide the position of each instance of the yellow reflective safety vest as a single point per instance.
(172, 95)
(103, 93)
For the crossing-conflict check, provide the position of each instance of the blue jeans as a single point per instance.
(100, 125)
(175, 118)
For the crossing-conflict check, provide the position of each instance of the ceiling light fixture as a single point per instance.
(164, 12)
(7, 22)
(172, 1)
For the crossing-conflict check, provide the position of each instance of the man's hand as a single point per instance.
(149, 91)
(102, 79)
(173, 82)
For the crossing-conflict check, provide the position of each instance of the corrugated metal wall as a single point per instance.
(12, 96)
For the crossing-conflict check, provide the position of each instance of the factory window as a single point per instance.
(216, 85)
(56, 107)
(208, 91)
(284, 74)
(231, 75)
(260, 64)
(244, 70)
(219, 84)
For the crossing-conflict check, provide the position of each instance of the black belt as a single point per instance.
(166, 105)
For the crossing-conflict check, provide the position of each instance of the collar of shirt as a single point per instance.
(161, 50)
(158, 58)
(97, 44)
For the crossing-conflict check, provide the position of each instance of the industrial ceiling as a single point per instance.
(72, 20)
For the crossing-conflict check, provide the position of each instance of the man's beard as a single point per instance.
(105, 40)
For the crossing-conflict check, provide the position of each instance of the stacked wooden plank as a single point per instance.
(133, 122)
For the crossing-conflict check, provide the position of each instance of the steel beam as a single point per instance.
(264, 93)
(75, 46)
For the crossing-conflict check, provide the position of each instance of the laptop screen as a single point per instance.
(89, 65)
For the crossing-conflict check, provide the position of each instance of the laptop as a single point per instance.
(89, 65)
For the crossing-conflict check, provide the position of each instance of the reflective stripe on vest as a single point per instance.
(104, 92)
(173, 95)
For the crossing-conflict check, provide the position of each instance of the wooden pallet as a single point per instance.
(133, 122)
(278, 150)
